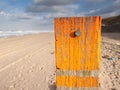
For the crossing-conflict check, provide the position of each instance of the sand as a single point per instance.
(28, 62)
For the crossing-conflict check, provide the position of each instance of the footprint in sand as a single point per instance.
(52, 52)
(40, 67)
(12, 87)
(51, 79)
(35, 67)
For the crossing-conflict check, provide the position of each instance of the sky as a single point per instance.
(40, 14)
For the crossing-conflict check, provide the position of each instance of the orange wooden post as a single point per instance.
(77, 52)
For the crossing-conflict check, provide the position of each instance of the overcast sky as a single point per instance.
(39, 14)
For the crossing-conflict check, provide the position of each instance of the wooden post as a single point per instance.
(77, 52)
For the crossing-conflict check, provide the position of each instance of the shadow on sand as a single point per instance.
(52, 87)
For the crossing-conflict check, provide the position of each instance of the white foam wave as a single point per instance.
(17, 33)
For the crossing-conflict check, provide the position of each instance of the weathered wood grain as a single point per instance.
(77, 53)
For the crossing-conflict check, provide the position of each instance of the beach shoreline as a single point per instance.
(17, 35)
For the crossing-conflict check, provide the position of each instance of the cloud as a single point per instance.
(23, 21)
(65, 7)
(4, 14)
(42, 8)
(24, 16)
(117, 1)
(54, 2)
(39, 14)
(15, 16)
(95, 0)
(111, 10)
(46, 6)
(49, 9)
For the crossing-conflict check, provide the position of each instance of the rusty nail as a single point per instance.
(77, 33)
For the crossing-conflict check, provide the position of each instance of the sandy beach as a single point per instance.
(28, 62)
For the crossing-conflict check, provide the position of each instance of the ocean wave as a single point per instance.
(19, 32)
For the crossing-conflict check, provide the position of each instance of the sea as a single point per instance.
(9, 33)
